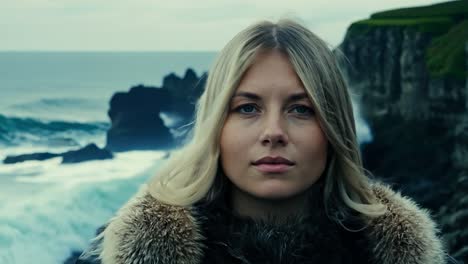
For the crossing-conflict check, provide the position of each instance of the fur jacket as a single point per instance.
(148, 231)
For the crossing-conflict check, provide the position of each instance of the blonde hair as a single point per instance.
(192, 172)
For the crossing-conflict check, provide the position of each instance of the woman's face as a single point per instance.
(271, 115)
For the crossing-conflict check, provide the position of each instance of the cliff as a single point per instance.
(408, 71)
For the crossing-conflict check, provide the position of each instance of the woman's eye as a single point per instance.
(251, 109)
(303, 110)
(246, 109)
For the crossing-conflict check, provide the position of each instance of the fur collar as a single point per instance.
(148, 231)
(314, 238)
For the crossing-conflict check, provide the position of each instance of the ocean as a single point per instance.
(58, 101)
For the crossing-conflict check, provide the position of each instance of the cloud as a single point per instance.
(166, 25)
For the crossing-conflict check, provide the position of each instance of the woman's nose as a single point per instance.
(273, 131)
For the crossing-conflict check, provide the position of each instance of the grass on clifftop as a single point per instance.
(434, 25)
(436, 19)
(452, 9)
(445, 54)
(446, 22)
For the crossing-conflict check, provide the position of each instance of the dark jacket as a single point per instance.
(148, 231)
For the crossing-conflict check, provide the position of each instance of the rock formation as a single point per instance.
(416, 104)
(89, 152)
(135, 115)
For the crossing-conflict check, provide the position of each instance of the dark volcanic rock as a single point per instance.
(89, 152)
(73, 258)
(419, 123)
(184, 92)
(135, 115)
(26, 157)
(136, 123)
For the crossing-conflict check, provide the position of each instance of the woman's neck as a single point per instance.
(277, 210)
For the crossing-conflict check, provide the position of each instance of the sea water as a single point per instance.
(55, 102)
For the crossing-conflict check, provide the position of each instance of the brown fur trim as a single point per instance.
(405, 234)
(148, 231)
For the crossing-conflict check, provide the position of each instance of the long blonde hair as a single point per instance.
(192, 172)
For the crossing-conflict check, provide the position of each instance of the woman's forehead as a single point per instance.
(269, 69)
(287, 97)
(268, 87)
(270, 74)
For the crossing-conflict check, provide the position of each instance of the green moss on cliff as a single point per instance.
(446, 54)
(452, 9)
(446, 22)
(434, 25)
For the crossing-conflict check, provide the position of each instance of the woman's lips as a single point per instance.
(273, 168)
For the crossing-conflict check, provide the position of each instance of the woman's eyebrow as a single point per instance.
(256, 97)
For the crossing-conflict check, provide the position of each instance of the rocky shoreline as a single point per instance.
(135, 120)
(89, 152)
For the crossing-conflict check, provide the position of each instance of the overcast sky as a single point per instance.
(167, 25)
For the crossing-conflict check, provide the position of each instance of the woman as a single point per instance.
(272, 173)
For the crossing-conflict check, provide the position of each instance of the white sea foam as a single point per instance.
(364, 134)
(49, 208)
